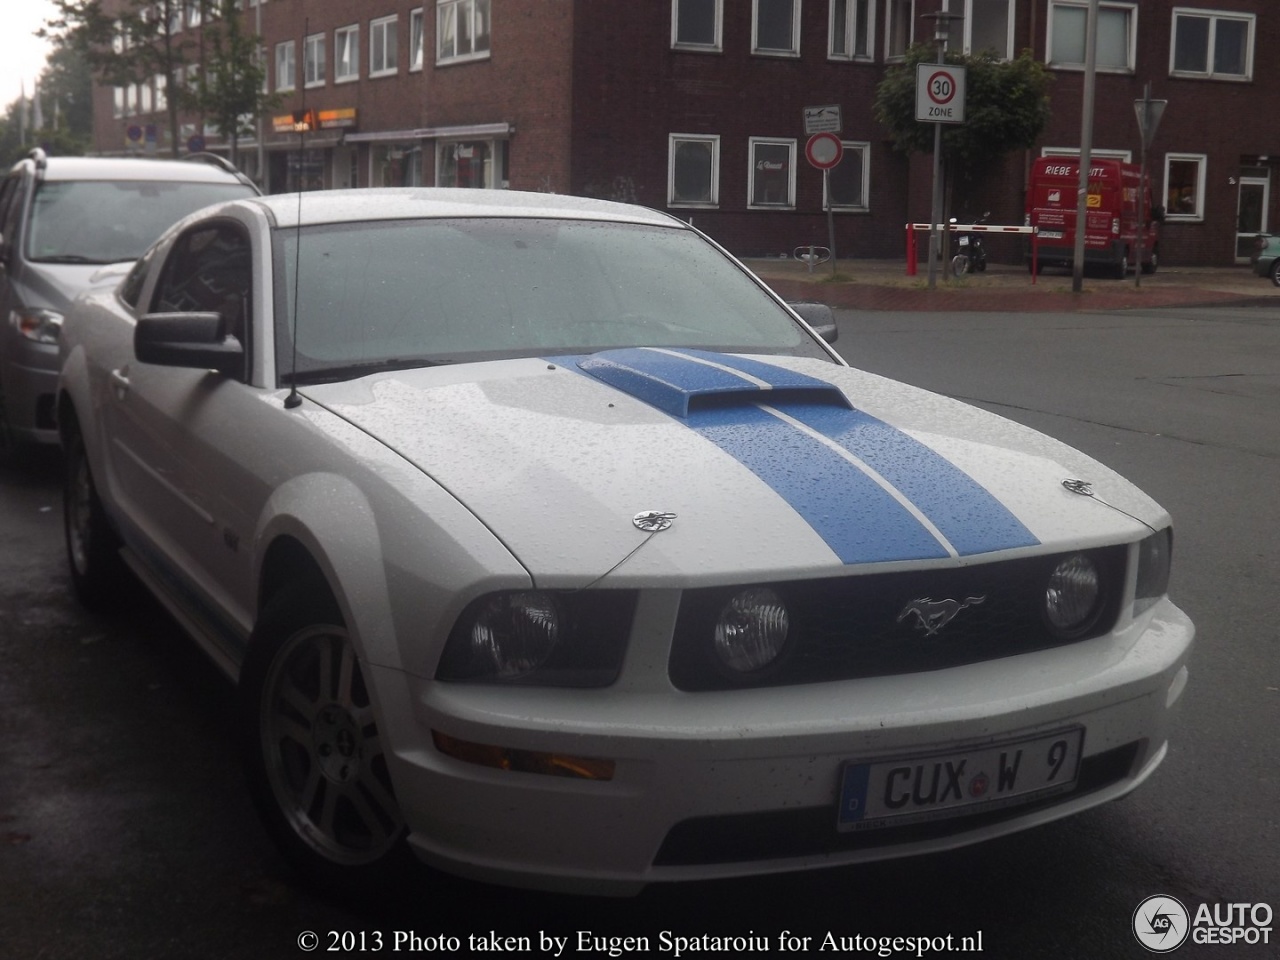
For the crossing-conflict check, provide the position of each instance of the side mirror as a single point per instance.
(818, 316)
(195, 340)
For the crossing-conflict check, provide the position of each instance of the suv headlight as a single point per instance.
(38, 324)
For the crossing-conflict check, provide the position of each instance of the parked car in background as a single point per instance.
(66, 223)
(549, 545)
(1266, 257)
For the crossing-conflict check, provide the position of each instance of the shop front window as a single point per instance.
(397, 165)
(472, 163)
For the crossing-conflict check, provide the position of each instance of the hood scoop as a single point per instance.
(679, 382)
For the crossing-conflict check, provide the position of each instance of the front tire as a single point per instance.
(314, 755)
(93, 549)
(959, 265)
(1275, 272)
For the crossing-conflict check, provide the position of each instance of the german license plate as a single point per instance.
(891, 793)
(1050, 234)
(964, 240)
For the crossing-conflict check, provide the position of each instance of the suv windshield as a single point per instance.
(107, 221)
(404, 293)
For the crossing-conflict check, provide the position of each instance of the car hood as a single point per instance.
(55, 285)
(737, 467)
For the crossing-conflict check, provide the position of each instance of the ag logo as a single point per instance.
(1161, 924)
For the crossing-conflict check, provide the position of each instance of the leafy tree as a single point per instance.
(136, 43)
(1006, 108)
(230, 90)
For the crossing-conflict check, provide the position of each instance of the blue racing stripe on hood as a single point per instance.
(963, 511)
(789, 429)
(859, 520)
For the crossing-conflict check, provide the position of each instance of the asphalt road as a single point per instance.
(126, 832)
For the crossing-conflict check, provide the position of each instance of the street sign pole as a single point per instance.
(942, 28)
(824, 150)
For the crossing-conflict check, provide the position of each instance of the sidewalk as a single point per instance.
(884, 285)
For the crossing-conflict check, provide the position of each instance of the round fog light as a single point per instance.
(752, 630)
(1072, 595)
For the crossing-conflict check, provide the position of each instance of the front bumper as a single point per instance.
(744, 782)
(30, 382)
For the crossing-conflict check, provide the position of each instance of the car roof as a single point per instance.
(131, 168)
(410, 203)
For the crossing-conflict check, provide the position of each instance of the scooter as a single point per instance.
(972, 255)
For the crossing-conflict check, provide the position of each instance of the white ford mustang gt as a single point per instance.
(548, 545)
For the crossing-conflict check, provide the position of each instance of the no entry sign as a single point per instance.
(939, 93)
(824, 150)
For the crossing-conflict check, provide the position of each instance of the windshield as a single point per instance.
(416, 292)
(107, 221)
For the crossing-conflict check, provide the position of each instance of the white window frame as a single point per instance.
(1007, 52)
(790, 144)
(1130, 9)
(162, 92)
(1213, 16)
(315, 53)
(417, 38)
(1202, 162)
(460, 8)
(195, 13)
(851, 31)
(792, 51)
(117, 102)
(863, 149)
(384, 40)
(348, 37)
(673, 142)
(889, 55)
(287, 56)
(715, 47)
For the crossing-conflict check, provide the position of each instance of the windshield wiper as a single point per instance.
(71, 258)
(353, 371)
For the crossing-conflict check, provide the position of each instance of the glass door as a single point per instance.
(1251, 212)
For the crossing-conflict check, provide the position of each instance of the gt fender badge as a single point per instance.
(932, 615)
(653, 521)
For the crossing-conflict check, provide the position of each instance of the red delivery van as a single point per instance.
(1111, 218)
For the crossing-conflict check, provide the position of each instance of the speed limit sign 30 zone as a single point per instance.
(940, 93)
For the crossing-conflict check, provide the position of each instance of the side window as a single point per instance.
(131, 289)
(210, 270)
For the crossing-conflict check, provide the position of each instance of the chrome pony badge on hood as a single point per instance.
(653, 521)
(932, 615)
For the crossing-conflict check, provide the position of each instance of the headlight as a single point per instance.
(1073, 595)
(1155, 557)
(42, 326)
(553, 638)
(751, 631)
(514, 633)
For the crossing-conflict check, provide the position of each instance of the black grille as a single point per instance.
(849, 627)
(780, 834)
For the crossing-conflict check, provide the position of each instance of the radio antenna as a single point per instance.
(293, 400)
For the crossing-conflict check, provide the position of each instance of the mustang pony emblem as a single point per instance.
(653, 521)
(932, 615)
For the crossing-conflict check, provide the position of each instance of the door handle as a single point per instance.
(120, 381)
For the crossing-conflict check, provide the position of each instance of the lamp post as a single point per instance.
(1086, 145)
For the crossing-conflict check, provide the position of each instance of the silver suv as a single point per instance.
(66, 224)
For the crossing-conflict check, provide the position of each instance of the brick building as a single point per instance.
(696, 106)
